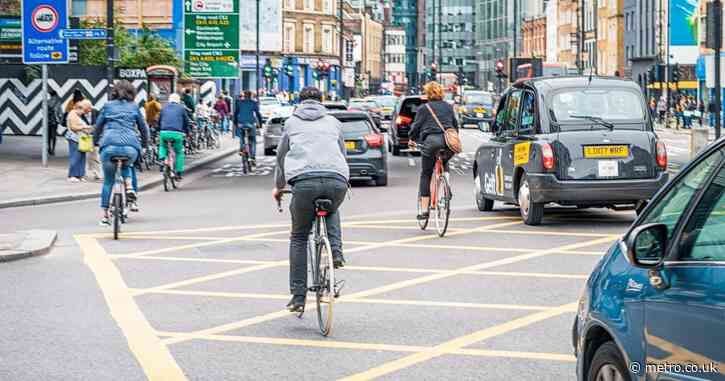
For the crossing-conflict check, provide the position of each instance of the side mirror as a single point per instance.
(486, 127)
(647, 245)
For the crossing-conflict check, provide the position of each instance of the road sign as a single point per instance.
(84, 34)
(10, 38)
(211, 38)
(42, 21)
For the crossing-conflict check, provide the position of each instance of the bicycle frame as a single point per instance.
(437, 174)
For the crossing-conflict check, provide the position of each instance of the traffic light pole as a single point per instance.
(256, 76)
(718, 88)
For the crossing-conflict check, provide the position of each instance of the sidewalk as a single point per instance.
(25, 244)
(23, 180)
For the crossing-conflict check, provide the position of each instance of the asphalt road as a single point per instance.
(196, 288)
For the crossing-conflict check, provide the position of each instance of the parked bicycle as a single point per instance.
(440, 197)
(321, 268)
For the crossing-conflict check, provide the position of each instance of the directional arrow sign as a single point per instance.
(211, 38)
(83, 34)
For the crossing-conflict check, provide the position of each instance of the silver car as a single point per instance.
(273, 128)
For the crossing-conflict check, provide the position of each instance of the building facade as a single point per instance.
(610, 38)
(533, 32)
(395, 56)
(552, 30)
(497, 35)
(368, 49)
(450, 37)
(405, 15)
(567, 33)
(643, 24)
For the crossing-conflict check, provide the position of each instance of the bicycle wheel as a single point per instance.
(117, 210)
(422, 224)
(443, 209)
(167, 177)
(325, 295)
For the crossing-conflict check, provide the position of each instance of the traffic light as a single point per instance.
(322, 68)
(460, 76)
(675, 73)
(433, 70)
(651, 75)
(268, 71)
(499, 69)
(289, 70)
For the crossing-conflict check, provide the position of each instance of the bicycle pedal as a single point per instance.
(339, 285)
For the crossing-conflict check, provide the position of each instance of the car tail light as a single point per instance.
(548, 156)
(375, 140)
(403, 120)
(661, 155)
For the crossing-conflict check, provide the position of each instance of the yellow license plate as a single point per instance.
(594, 152)
(350, 145)
(479, 110)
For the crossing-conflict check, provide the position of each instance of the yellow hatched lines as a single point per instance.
(151, 347)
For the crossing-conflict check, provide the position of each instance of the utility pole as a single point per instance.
(580, 36)
(433, 43)
(440, 40)
(718, 45)
(110, 48)
(516, 22)
(256, 75)
(667, 67)
(340, 84)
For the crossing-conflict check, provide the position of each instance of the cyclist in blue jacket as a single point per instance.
(246, 120)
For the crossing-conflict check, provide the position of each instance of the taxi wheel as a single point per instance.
(483, 204)
(531, 212)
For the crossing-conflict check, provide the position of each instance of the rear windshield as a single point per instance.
(612, 105)
(363, 104)
(386, 101)
(410, 106)
(356, 128)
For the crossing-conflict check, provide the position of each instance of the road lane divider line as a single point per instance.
(553, 233)
(171, 238)
(197, 259)
(153, 357)
(459, 343)
(391, 227)
(390, 287)
(233, 295)
(203, 244)
(333, 344)
(206, 278)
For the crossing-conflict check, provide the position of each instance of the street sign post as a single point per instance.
(211, 38)
(42, 21)
(84, 34)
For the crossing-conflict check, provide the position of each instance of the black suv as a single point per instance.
(403, 118)
(579, 141)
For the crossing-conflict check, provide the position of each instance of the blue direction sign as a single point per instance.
(42, 21)
(84, 34)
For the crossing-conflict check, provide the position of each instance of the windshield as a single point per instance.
(355, 128)
(386, 101)
(611, 105)
(479, 98)
(268, 101)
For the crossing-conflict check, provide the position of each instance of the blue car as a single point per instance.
(654, 306)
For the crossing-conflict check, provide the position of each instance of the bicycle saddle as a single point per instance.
(323, 204)
(119, 158)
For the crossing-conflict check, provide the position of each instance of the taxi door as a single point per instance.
(504, 145)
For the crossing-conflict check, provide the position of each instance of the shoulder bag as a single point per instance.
(453, 140)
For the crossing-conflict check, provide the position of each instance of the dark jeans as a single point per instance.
(52, 138)
(302, 208)
(109, 169)
(433, 144)
(77, 160)
(250, 131)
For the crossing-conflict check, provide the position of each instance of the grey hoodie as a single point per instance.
(312, 142)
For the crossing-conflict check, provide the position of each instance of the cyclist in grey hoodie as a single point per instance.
(311, 159)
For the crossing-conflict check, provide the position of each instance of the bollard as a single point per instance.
(698, 140)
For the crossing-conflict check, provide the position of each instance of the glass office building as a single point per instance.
(405, 15)
(450, 36)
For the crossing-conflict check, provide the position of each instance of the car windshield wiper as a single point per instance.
(595, 119)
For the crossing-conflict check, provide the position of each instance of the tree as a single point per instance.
(146, 49)
(10, 7)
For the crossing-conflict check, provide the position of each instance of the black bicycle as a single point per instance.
(246, 150)
(168, 167)
(119, 213)
(322, 270)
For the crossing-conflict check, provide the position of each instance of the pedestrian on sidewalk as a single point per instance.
(711, 112)
(662, 109)
(93, 159)
(55, 113)
(174, 125)
(77, 126)
(653, 108)
(223, 110)
(152, 108)
(188, 101)
(246, 120)
(120, 131)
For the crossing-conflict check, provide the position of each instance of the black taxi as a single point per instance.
(581, 141)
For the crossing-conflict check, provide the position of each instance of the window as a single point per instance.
(289, 4)
(289, 37)
(327, 7)
(309, 39)
(512, 111)
(309, 5)
(704, 237)
(527, 112)
(326, 39)
(675, 202)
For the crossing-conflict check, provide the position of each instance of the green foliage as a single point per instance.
(146, 49)
(10, 7)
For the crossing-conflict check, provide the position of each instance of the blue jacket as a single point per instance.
(120, 124)
(173, 117)
(246, 111)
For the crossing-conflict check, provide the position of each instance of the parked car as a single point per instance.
(387, 104)
(371, 107)
(654, 306)
(267, 106)
(274, 127)
(402, 121)
(579, 141)
(476, 108)
(365, 144)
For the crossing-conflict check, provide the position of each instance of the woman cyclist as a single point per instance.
(116, 135)
(428, 133)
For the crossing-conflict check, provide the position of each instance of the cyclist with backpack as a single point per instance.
(311, 158)
(246, 119)
(174, 126)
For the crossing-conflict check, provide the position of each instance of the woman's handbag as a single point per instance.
(453, 140)
(85, 143)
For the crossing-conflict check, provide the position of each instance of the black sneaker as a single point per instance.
(296, 304)
(131, 196)
(338, 261)
(423, 216)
